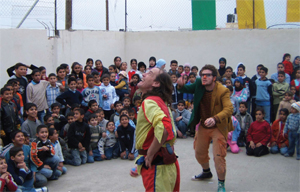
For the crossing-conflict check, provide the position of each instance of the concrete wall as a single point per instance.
(196, 47)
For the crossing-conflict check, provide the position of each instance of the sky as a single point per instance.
(142, 15)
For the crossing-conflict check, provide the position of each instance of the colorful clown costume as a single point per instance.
(153, 118)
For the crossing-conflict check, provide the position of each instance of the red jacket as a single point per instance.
(277, 134)
(259, 132)
(130, 73)
(288, 67)
(11, 185)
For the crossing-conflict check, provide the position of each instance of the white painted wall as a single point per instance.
(196, 47)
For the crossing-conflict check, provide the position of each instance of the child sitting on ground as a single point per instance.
(96, 132)
(181, 118)
(245, 120)
(278, 141)
(79, 137)
(292, 130)
(6, 181)
(258, 135)
(53, 136)
(29, 126)
(124, 111)
(116, 116)
(126, 138)
(21, 174)
(108, 145)
(43, 154)
(233, 136)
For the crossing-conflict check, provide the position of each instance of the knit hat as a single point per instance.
(296, 106)
(123, 73)
(187, 65)
(160, 63)
(239, 79)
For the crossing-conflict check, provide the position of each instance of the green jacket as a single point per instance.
(221, 106)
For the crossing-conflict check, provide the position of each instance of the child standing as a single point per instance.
(36, 93)
(79, 137)
(43, 154)
(61, 76)
(245, 120)
(29, 126)
(187, 69)
(173, 66)
(176, 95)
(180, 69)
(79, 85)
(109, 95)
(9, 119)
(222, 66)
(286, 102)
(278, 141)
(291, 129)
(181, 118)
(133, 64)
(76, 70)
(92, 92)
(96, 76)
(264, 93)
(71, 96)
(108, 145)
(258, 135)
(288, 65)
(228, 74)
(122, 87)
(293, 90)
(280, 67)
(52, 90)
(126, 138)
(234, 101)
(6, 179)
(279, 89)
(135, 79)
(239, 92)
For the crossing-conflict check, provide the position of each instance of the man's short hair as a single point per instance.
(211, 68)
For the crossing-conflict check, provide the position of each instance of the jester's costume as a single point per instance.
(154, 116)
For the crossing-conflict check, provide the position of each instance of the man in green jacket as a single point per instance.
(212, 110)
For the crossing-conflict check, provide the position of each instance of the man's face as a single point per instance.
(148, 79)
(207, 77)
(280, 68)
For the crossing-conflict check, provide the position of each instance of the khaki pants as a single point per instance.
(202, 142)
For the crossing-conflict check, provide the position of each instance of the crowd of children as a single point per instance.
(90, 114)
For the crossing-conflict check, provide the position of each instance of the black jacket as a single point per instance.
(126, 138)
(9, 116)
(79, 132)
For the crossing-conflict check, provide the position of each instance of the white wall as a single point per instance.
(196, 47)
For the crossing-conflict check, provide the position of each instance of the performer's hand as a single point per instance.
(252, 145)
(148, 161)
(210, 122)
(258, 144)
(180, 82)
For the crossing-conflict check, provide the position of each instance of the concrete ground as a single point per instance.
(244, 173)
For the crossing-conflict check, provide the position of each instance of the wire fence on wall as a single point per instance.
(145, 15)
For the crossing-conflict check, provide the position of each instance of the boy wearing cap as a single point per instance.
(292, 131)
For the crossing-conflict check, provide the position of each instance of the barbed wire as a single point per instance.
(146, 15)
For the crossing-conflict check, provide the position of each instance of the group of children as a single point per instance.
(90, 115)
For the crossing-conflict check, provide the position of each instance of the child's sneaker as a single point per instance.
(221, 187)
(42, 189)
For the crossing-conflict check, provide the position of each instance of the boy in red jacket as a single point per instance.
(6, 181)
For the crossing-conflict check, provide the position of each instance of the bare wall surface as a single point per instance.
(251, 47)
